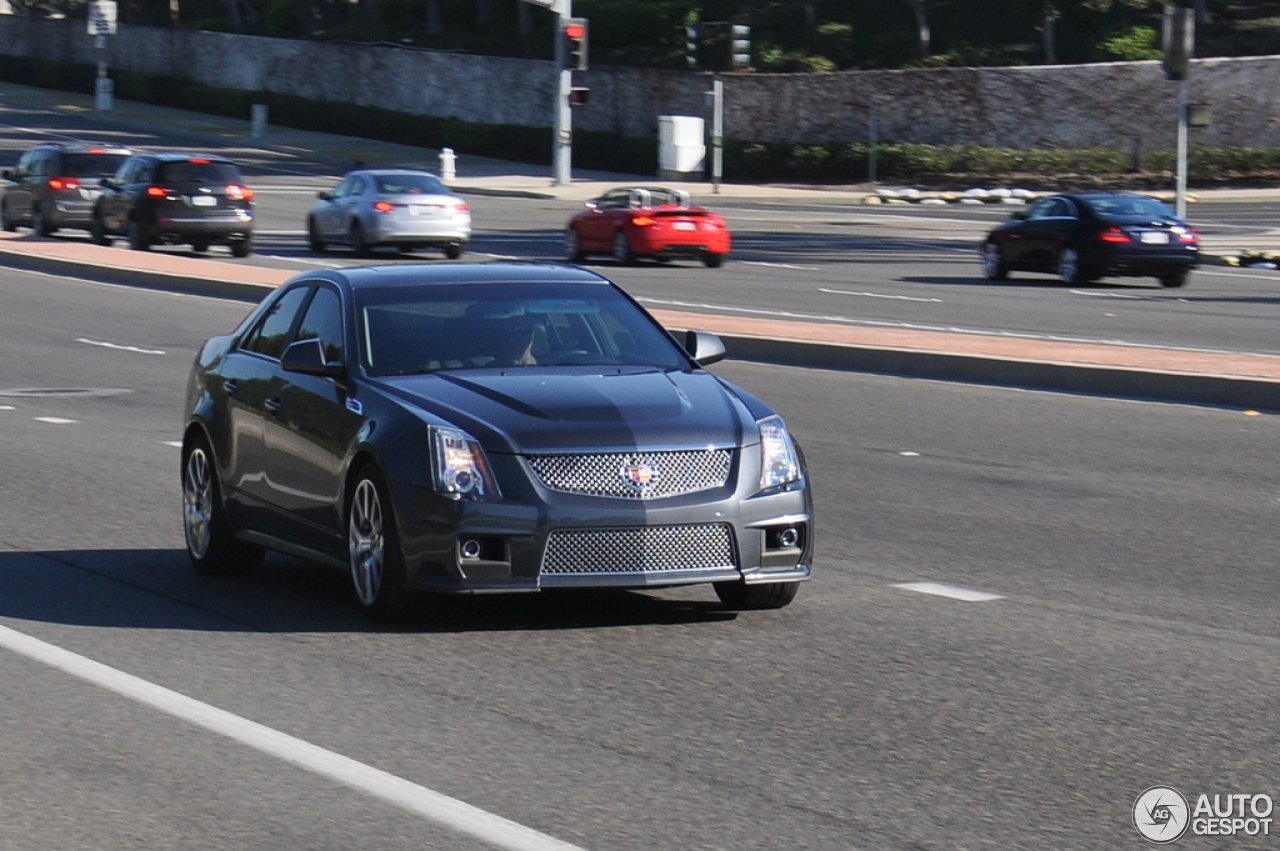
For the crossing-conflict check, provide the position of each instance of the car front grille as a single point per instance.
(634, 475)
(651, 549)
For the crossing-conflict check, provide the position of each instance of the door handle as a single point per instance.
(273, 405)
(231, 387)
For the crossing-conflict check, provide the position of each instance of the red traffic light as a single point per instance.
(575, 30)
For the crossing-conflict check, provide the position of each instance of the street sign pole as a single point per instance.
(717, 133)
(1180, 194)
(102, 22)
(563, 147)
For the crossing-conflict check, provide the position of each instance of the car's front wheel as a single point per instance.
(377, 565)
(572, 246)
(98, 231)
(210, 545)
(6, 222)
(769, 595)
(993, 265)
(314, 242)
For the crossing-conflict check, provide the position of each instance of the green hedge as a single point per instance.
(833, 162)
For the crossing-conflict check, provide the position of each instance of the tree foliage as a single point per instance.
(786, 35)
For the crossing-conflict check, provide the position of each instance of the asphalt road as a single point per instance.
(1132, 641)
(897, 267)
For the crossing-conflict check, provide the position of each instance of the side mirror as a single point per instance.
(307, 357)
(108, 183)
(325, 195)
(592, 205)
(705, 348)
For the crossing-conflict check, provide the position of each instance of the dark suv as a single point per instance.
(55, 185)
(168, 198)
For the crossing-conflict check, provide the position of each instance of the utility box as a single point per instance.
(682, 149)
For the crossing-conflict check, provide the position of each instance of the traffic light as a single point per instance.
(741, 46)
(578, 95)
(574, 33)
(1179, 41)
(691, 39)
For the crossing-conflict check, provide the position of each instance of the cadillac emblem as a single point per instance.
(639, 475)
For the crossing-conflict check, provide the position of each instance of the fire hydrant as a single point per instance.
(448, 161)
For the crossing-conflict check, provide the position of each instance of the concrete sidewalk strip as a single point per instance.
(1175, 375)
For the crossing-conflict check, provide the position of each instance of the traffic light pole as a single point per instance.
(717, 133)
(562, 157)
(1180, 193)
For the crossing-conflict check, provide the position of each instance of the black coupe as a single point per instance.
(495, 427)
(1081, 238)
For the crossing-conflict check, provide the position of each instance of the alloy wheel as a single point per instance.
(366, 542)
(197, 503)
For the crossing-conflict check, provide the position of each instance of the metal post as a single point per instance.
(563, 144)
(717, 133)
(872, 132)
(1180, 194)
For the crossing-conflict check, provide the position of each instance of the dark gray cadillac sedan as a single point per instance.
(479, 428)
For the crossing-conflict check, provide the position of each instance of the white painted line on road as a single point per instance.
(432, 805)
(907, 453)
(175, 443)
(879, 295)
(953, 592)
(54, 420)
(779, 265)
(119, 347)
(7, 408)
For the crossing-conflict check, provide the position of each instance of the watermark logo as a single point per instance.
(1161, 814)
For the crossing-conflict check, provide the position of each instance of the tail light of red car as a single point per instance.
(642, 221)
(64, 183)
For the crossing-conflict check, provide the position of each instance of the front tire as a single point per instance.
(993, 265)
(6, 222)
(373, 546)
(573, 246)
(212, 549)
(743, 597)
(314, 242)
(98, 231)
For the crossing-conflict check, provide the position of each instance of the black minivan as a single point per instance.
(167, 198)
(55, 185)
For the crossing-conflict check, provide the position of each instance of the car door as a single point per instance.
(249, 380)
(596, 232)
(117, 200)
(311, 422)
(1048, 231)
(32, 169)
(332, 220)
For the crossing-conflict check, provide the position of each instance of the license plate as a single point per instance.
(1155, 237)
(204, 201)
(423, 210)
(685, 226)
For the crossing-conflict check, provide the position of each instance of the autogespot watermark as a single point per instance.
(1162, 815)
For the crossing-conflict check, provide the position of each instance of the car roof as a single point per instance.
(444, 274)
(173, 156)
(86, 147)
(386, 172)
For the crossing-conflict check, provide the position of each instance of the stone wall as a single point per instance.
(1102, 105)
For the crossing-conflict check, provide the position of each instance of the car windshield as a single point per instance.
(1124, 206)
(411, 184)
(92, 164)
(414, 330)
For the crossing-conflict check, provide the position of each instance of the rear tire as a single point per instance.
(1069, 268)
(200, 247)
(743, 597)
(453, 250)
(713, 261)
(40, 222)
(358, 245)
(373, 547)
(1175, 278)
(138, 239)
(212, 549)
(242, 247)
(622, 249)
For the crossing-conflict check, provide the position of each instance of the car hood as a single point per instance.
(579, 409)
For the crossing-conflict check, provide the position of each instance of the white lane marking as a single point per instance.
(7, 408)
(879, 295)
(780, 265)
(907, 453)
(174, 443)
(432, 805)
(953, 592)
(119, 347)
(54, 420)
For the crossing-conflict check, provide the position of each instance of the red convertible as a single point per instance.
(646, 221)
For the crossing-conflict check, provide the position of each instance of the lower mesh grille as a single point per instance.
(664, 549)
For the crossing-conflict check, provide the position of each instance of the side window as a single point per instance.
(40, 167)
(323, 322)
(344, 187)
(269, 336)
(25, 164)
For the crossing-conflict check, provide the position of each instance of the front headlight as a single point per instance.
(779, 461)
(459, 466)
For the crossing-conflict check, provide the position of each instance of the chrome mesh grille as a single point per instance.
(663, 549)
(634, 475)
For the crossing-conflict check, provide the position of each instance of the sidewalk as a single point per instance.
(1232, 380)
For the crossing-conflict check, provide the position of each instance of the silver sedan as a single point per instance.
(398, 207)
